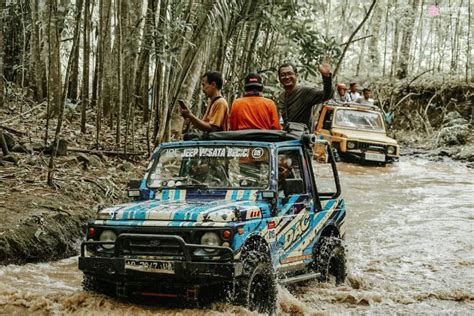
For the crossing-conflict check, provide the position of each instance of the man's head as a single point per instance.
(341, 89)
(353, 87)
(366, 93)
(211, 83)
(253, 82)
(284, 170)
(288, 75)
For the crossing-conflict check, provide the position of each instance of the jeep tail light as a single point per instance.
(91, 232)
(226, 234)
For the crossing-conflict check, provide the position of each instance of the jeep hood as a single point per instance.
(365, 136)
(192, 211)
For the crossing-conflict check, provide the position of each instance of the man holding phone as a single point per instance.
(217, 111)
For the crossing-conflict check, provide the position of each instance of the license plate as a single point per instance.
(375, 157)
(150, 266)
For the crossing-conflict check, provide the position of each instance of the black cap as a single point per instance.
(253, 81)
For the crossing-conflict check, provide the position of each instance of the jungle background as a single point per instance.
(88, 88)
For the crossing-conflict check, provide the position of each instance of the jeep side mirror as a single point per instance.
(293, 186)
(133, 189)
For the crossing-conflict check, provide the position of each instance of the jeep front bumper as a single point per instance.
(183, 267)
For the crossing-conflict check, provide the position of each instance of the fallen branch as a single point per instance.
(13, 130)
(403, 99)
(98, 185)
(105, 152)
(21, 114)
(54, 208)
(416, 77)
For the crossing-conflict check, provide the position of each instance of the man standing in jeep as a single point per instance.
(296, 102)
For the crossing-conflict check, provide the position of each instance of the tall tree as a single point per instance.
(54, 62)
(2, 53)
(85, 65)
(38, 70)
(407, 34)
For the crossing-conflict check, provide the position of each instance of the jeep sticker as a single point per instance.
(296, 231)
(214, 152)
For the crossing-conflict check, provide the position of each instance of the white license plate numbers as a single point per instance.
(375, 157)
(150, 266)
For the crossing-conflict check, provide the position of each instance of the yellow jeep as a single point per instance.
(357, 132)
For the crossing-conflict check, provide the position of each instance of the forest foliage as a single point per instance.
(123, 63)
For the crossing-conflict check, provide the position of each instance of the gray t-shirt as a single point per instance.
(297, 106)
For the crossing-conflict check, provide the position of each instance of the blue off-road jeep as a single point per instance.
(228, 216)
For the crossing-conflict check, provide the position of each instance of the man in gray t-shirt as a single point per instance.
(296, 102)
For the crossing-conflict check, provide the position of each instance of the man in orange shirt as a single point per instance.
(215, 117)
(253, 111)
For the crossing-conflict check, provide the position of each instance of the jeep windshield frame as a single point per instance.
(211, 166)
(359, 120)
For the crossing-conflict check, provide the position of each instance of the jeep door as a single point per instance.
(296, 205)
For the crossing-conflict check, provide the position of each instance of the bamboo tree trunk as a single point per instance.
(119, 72)
(2, 54)
(418, 39)
(455, 45)
(407, 33)
(62, 103)
(385, 39)
(469, 52)
(85, 66)
(142, 72)
(36, 61)
(54, 89)
(373, 46)
(74, 76)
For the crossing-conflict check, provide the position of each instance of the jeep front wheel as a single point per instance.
(256, 289)
(330, 260)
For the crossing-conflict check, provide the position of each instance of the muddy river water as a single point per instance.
(409, 242)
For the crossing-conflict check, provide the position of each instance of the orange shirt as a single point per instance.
(254, 112)
(217, 114)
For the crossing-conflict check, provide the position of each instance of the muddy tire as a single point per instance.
(330, 260)
(256, 289)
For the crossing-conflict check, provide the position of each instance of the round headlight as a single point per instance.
(351, 145)
(108, 235)
(390, 150)
(210, 239)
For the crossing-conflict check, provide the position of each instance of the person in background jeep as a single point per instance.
(365, 99)
(253, 111)
(341, 95)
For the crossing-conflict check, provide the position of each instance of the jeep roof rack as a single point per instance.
(253, 134)
(355, 105)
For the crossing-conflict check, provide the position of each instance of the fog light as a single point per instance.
(351, 145)
(108, 235)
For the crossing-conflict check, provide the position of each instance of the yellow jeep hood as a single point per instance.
(365, 136)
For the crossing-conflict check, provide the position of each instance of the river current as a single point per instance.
(409, 245)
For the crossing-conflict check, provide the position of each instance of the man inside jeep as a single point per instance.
(285, 171)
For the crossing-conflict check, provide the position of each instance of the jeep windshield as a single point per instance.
(350, 118)
(216, 166)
